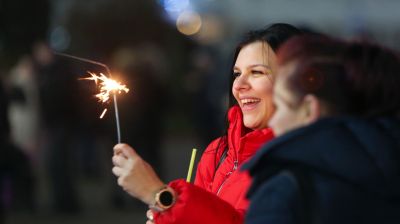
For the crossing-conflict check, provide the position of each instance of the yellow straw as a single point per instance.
(189, 175)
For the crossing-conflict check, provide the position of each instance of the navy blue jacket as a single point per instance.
(337, 170)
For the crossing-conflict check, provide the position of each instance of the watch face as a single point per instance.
(166, 198)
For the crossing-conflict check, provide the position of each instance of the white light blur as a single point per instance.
(189, 22)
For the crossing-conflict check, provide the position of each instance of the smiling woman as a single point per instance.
(218, 194)
(252, 87)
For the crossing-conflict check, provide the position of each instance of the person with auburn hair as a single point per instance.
(337, 155)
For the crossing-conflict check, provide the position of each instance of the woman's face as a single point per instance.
(289, 114)
(252, 87)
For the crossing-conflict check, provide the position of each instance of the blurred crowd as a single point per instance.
(51, 134)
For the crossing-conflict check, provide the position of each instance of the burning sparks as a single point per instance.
(102, 114)
(107, 86)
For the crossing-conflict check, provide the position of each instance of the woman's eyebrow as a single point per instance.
(262, 65)
(255, 65)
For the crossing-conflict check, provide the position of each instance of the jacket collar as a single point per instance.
(242, 141)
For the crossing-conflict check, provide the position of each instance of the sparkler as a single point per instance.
(107, 86)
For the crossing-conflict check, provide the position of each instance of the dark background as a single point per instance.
(56, 152)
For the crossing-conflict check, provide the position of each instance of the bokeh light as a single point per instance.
(189, 22)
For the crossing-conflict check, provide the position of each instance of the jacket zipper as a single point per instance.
(235, 166)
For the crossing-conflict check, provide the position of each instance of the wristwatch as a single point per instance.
(164, 199)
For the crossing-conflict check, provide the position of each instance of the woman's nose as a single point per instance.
(241, 83)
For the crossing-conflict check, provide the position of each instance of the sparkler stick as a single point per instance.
(117, 118)
(189, 175)
(107, 86)
(85, 60)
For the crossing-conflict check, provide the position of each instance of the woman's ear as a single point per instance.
(312, 109)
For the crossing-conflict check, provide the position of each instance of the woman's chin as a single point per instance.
(251, 125)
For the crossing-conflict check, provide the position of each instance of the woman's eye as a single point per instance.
(257, 72)
(236, 74)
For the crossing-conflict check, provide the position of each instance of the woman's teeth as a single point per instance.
(247, 101)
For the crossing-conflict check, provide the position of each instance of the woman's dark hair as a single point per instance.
(355, 78)
(274, 35)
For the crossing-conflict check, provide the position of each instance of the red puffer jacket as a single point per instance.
(201, 203)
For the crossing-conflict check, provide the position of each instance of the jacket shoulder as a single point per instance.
(273, 200)
(214, 145)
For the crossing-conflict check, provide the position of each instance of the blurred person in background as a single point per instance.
(24, 107)
(218, 194)
(336, 159)
(16, 176)
(22, 23)
(58, 99)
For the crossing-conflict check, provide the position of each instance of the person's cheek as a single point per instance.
(272, 121)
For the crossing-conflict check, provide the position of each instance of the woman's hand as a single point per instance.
(150, 217)
(135, 175)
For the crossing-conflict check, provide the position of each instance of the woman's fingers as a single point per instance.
(117, 171)
(134, 174)
(118, 160)
(125, 150)
(150, 216)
